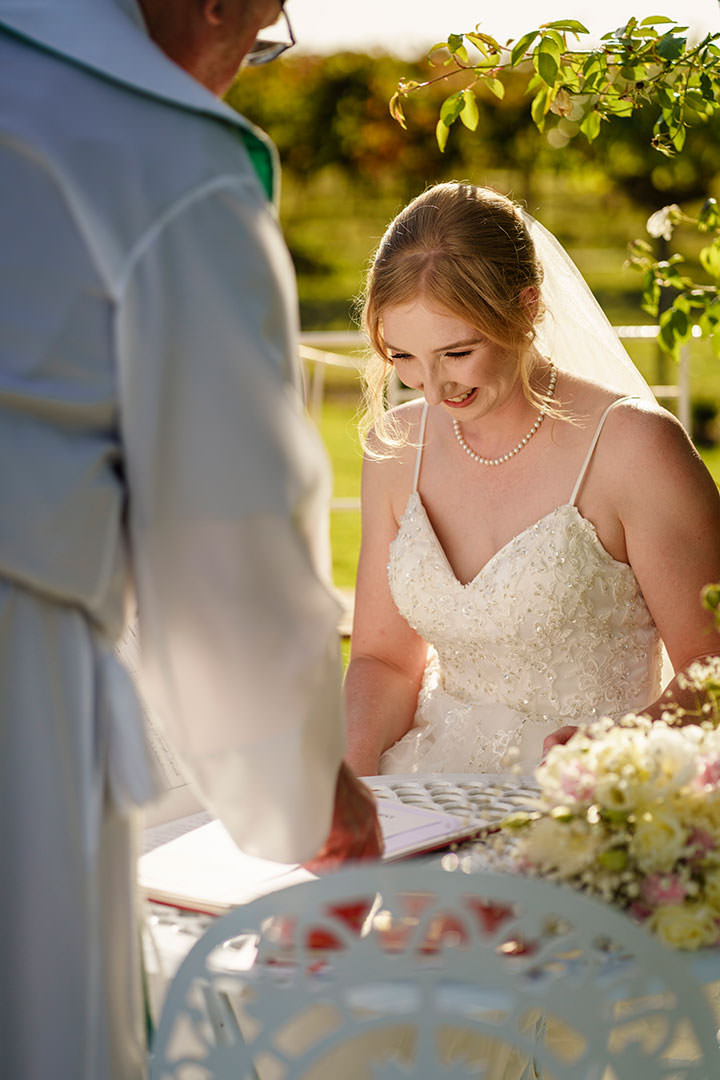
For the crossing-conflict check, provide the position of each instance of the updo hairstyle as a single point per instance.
(467, 249)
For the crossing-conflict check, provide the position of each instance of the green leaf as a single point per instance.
(709, 216)
(671, 47)
(519, 819)
(618, 106)
(675, 329)
(546, 62)
(451, 108)
(664, 97)
(571, 26)
(521, 46)
(539, 108)
(706, 87)
(696, 104)
(552, 37)
(570, 79)
(469, 112)
(711, 316)
(495, 87)
(484, 42)
(590, 125)
(615, 859)
(655, 19)
(396, 110)
(710, 259)
(651, 293)
(639, 248)
(592, 65)
(678, 138)
(441, 135)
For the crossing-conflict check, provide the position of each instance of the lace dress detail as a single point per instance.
(551, 631)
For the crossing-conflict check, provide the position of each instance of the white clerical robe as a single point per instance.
(154, 453)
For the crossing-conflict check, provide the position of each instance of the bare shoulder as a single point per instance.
(584, 400)
(649, 450)
(649, 432)
(390, 466)
(639, 424)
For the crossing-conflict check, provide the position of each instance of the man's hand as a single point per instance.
(355, 829)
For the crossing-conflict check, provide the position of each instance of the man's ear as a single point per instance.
(530, 301)
(212, 11)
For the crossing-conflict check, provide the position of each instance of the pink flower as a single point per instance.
(663, 889)
(578, 783)
(709, 775)
(699, 843)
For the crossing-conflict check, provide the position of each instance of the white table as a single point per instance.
(482, 799)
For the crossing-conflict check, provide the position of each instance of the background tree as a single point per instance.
(648, 71)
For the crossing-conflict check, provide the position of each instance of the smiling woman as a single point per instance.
(515, 581)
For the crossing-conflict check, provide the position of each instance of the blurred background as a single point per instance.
(348, 167)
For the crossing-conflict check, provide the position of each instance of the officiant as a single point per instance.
(155, 453)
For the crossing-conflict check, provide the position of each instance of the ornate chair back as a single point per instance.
(382, 972)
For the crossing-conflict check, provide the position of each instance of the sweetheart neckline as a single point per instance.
(523, 532)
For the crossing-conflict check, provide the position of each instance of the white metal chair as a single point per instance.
(383, 972)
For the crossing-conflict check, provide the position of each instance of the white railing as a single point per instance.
(317, 348)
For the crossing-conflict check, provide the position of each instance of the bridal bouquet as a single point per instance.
(630, 811)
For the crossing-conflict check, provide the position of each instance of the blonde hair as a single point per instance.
(468, 248)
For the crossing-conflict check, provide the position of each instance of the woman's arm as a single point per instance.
(387, 657)
(669, 508)
(670, 513)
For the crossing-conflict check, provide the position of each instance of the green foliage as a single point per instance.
(637, 65)
(695, 305)
(332, 113)
(647, 67)
(711, 601)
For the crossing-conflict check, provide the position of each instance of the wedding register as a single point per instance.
(203, 870)
(193, 863)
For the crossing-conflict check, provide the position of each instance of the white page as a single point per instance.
(204, 870)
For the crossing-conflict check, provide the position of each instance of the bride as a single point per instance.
(535, 527)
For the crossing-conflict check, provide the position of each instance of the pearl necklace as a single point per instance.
(523, 442)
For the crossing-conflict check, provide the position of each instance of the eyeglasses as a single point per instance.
(263, 49)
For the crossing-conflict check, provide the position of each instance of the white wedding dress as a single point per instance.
(551, 631)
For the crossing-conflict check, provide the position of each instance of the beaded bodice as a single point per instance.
(552, 631)
(552, 626)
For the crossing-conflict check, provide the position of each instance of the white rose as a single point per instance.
(671, 756)
(568, 847)
(662, 222)
(658, 840)
(685, 926)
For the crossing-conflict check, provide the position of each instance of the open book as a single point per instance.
(200, 868)
(203, 869)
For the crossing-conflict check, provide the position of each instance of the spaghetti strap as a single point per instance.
(421, 440)
(593, 444)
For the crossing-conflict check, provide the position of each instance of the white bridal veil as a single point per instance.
(575, 331)
(577, 334)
